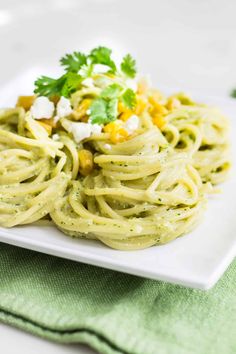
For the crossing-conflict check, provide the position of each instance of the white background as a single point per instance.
(180, 43)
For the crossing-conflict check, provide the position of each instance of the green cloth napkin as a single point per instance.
(112, 312)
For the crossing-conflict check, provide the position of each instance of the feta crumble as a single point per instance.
(96, 129)
(63, 107)
(42, 108)
(132, 124)
(81, 131)
(55, 137)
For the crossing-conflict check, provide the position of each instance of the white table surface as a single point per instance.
(180, 43)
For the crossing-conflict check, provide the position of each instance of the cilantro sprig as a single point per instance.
(104, 109)
(128, 66)
(102, 55)
(129, 98)
(79, 66)
(63, 86)
(73, 62)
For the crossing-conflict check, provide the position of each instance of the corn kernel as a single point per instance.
(173, 103)
(126, 115)
(86, 164)
(25, 102)
(117, 136)
(140, 106)
(112, 126)
(142, 86)
(116, 131)
(159, 121)
(80, 111)
(121, 108)
(55, 99)
(50, 122)
(157, 96)
(156, 108)
(46, 126)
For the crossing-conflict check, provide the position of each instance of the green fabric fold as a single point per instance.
(112, 312)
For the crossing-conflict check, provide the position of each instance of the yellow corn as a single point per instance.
(173, 103)
(55, 99)
(157, 96)
(126, 115)
(50, 122)
(46, 126)
(25, 102)
(156, 107)
(159, 120)
(140, 106)
(112, 126)
(116, 131)
(85, 162)
(121, 108)
(119, 135)
(142, 86)
(80, 112)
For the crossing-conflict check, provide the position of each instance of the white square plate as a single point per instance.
(196, 260)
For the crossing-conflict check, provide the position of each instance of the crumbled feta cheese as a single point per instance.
(100, 68)
(63, 107)
(55, 137)
(80, 131)
(107, 146)
(132, 84)
(42, 108)
(96, 129)
(132, 124)
(88, 82)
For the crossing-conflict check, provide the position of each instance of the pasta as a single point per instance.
(128, 189)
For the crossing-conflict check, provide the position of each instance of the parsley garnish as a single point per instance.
(73, 62)
(129, 98)
(128, 66)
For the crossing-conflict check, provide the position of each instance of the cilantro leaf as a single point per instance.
(129, 98)
(63, 86)
(98, 111)
(86, 70)
(47, 86)
(102, 55)
(73, 62)
(102, 111)
(71, 84)
(111, 91)
(128, 66)
(233, 93)
(112, 110)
